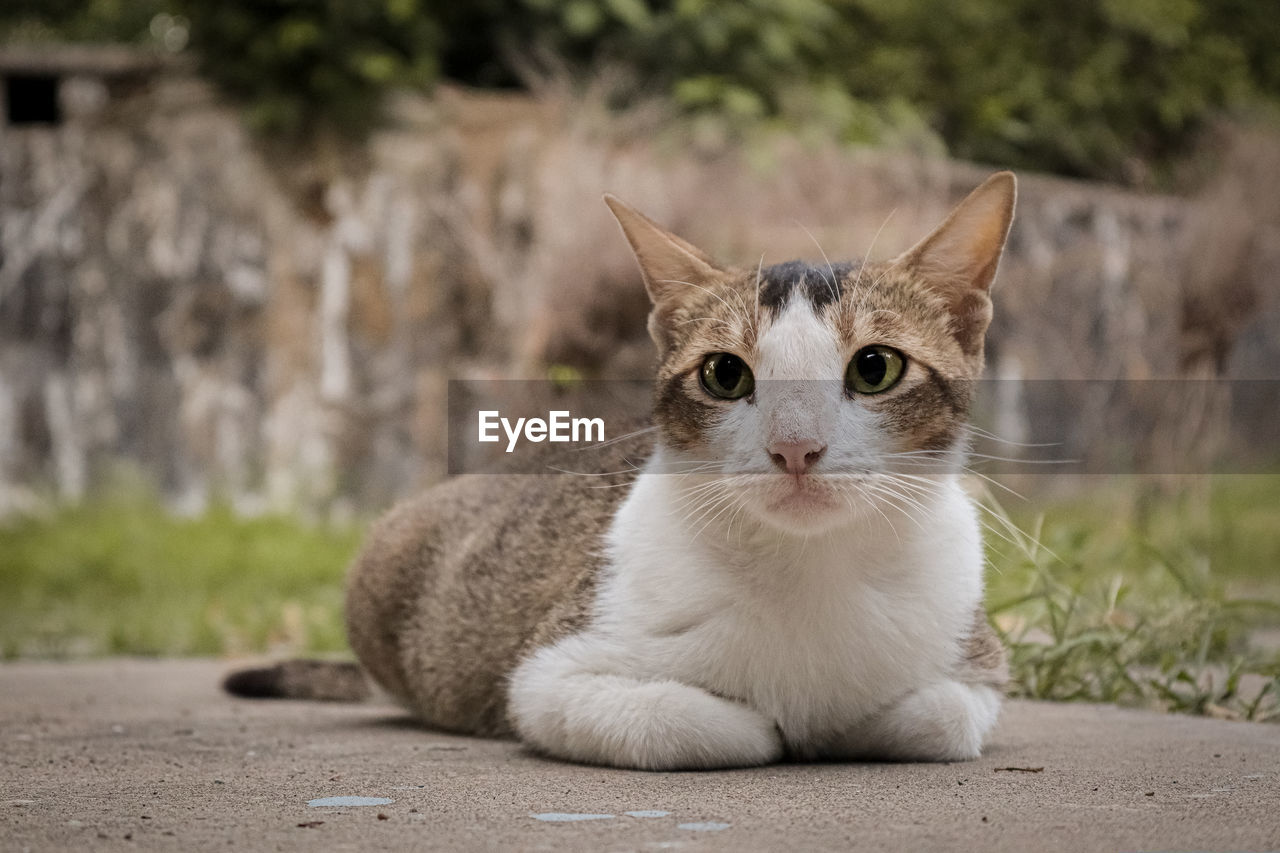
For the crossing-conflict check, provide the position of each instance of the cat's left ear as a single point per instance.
(675, 271)
(959, 259)
(670, 264)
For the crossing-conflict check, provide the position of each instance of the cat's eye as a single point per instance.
(726, 376)
(874, 369)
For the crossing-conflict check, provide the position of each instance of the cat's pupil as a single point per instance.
(726, 376)
(728, 371)
(872, 367)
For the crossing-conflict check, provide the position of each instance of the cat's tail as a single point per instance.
(325, 681)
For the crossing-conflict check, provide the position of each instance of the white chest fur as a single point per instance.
(715, 650)
(816, 633)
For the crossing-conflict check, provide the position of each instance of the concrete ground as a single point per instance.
(127, 755)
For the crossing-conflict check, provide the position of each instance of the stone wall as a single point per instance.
(275, 330)
(166, 303)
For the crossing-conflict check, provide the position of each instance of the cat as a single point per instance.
(795, 571)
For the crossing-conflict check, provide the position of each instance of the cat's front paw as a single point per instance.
(946, 721)
(624, 722)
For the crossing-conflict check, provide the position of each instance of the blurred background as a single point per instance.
(245, 246)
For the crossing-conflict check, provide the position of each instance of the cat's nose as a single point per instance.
(796, 457)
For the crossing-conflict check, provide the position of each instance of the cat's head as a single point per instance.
(809, 392)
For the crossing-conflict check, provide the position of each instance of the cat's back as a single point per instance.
(455, 586)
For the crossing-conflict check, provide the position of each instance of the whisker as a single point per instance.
(866, 258)
(709, 465)
(832, 283)
(989, 457)
(630, 470)
(723, 301)
(987, 527)
(722, 504)
(996, 483)
(699, 495)
(991, 436)
(1013, 529)
(913, 490)
(759, 268)
(616, 439)
(739, 513)
(875, 506)
(917, 483)
(877, 489)
(715, 320)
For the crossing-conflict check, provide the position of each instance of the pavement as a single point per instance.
(150, 755)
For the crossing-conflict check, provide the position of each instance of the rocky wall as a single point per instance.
(277, 331)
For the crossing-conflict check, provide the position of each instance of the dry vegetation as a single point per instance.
(1136, 307)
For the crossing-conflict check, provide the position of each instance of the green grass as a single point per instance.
(1144, 598)
(123, 577)
(1137, 597)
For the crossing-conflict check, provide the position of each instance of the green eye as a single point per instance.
(727, 376)
(874, 369)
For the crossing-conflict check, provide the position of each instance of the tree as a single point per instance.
(1113, 89)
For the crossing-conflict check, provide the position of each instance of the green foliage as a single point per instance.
(298, 66)
(727, 55)
(121, 576)
(1100, 88)
(78, 20)
(1162, 616)
(303, 65)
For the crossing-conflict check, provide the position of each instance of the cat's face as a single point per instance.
(807, 394)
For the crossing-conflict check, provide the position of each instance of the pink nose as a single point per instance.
(796, 457)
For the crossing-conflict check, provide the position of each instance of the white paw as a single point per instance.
(647, 725)
(947, 721)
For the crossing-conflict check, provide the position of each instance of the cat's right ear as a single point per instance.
(673, 268)
(959, 259)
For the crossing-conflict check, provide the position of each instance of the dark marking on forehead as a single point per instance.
(819, 283)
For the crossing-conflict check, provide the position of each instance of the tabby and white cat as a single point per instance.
(776, 581)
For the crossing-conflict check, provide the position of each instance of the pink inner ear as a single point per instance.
(669, 263)
(964, 251)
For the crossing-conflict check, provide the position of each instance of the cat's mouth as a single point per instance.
(804, 495)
